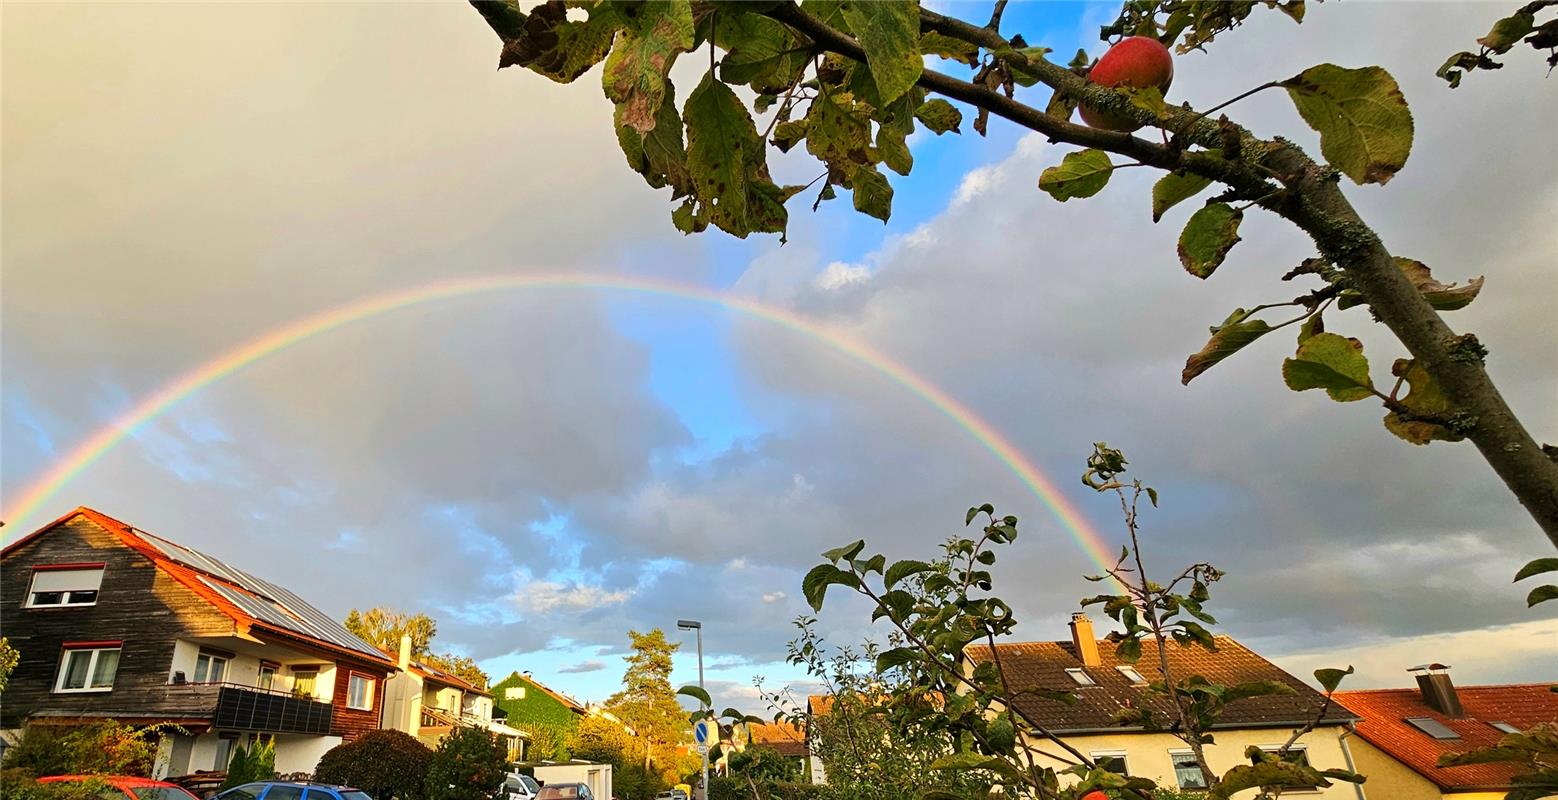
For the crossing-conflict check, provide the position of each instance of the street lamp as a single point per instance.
(695, 625)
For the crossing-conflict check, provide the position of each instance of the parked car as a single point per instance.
(672, 794)
(132, 788)
(565, 791)
(519, 786)
(292, 790)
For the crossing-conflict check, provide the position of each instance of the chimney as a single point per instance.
(1433, 681)
(405, 652)
(1082, 639)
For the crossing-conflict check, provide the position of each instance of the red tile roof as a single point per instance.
(1384, 725)
(1044, 664)
(782, 737)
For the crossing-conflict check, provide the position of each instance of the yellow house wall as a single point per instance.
(1147, 755)
(1390, 779)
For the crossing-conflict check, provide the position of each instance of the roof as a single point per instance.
(1384, 725)
(573, 705)
(1044, 665)
(251, 602)
(430, 672)
(782, 737)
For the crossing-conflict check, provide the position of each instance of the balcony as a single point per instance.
(247, 708)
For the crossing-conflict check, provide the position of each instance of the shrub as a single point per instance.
(250, 764)
(468, 765)
(736, 787)
(385, 764)
(19, 786)
(97, 748)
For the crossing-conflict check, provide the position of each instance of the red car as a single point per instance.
(131, 788)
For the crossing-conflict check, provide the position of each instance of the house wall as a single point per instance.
(294, 752)
(444, 697)
(138, 604)
(1390, 779)
(302, 753)
(403, 702)
(349, 723)
(1147, 754)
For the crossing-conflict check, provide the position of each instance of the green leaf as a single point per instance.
(786, 134)
(1537, 567)
(903, 569)
(1207, 238)
(1228, 338)
(845, 553)
(1173, 188)
(873, 194)
(815, 584)
(696, 692)
(838, 132)
(1080, 174)
(1424, 407)
(940, 116)
(962, 761)
(1541, 594)
(727, 159)
(1249, 689)
(1364, 125)
(760, 52)
(1128, 650)
(1507, 31)
(896, 657)
(658, 155)
(1022, 75)
(1330, 362)
(942, 46)
(1330, 678)
(1453, 66)
(889, 32)
(557, 47)
(635, 73)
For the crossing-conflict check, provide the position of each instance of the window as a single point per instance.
(324, 794)
(225, 745)
(1081, 677)
(514, 693)
(248, 791)
(84, 668)
(1505, 727)
(359, 692)
(303, 681)
(1131, 674)
(1432, 727)
(267, 677)
(210, 667)
(65, 585)
(284, 792)
(1110, 760)
(1295, 755)
(1186, 772)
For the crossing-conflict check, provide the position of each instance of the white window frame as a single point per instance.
(1080, 676)
(1118, 755)
(367, 683)
(1183, 752)
(95, 652)
(266, 671)
(211, 660)
(1297, 748)
(1131, 674)
(1504, 727)
(33, 592)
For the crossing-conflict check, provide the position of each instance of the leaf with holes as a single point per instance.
(889, 32)
(635, 73)
(1208, 236)
(657, 155)
(560, 48)
(726, 157)
(1364, 124)
(1228, 338)
(1080, 174)
(1173, 188)
(1330, 362)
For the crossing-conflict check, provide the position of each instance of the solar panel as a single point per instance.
(1432, 727)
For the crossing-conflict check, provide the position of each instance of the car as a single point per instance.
(132, 788)
(519, 786)
(565, 791)
(671, 794)
(292, 790)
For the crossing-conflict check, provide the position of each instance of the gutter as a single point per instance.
(1350, 730)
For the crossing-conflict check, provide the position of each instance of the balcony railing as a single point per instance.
(249, 708)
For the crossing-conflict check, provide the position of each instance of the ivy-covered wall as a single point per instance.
(550, 723)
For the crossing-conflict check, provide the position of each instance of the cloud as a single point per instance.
(548, 597)
(769, 598)
(583, 666)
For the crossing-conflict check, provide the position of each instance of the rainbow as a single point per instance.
(279, 339)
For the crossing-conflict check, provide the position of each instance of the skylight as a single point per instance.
(1131, 674)
(1080, 676)
(1505, 727)
(1432, 727)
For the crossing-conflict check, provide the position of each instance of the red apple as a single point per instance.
(1137, 62)
(1095, 795)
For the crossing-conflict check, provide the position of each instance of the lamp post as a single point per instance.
(695, 625)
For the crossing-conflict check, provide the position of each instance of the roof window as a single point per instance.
(1080, 676)
(1432, 727)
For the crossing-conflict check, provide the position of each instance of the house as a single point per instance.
(546, 715)
(784, 738)
(114, 622)
(1403, 732)
(1105, 686)
(429, 702)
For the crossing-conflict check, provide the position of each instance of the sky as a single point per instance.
(543, 470)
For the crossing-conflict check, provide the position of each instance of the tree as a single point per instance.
(254, 763)
(848, 80)
(647, 704)
(468, 765)
(8, 659)
(384, 627)
(387, 764)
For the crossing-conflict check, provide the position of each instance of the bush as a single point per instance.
(468, 765)
(736, 787)
(250, 764)
(20, 786)
(97, 748)
(388, 765)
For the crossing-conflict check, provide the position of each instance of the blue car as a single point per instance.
(292, 790)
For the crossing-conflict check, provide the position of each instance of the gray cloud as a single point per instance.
(584, 666)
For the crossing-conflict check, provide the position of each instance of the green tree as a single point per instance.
(383, 628)
(848, 79)
(646, 703)
(8, 658)
(468, 765)
(387, 764)
(254, 763)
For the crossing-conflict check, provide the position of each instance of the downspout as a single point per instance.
(1351, 730)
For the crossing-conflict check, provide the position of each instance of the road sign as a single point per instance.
(705, 733)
